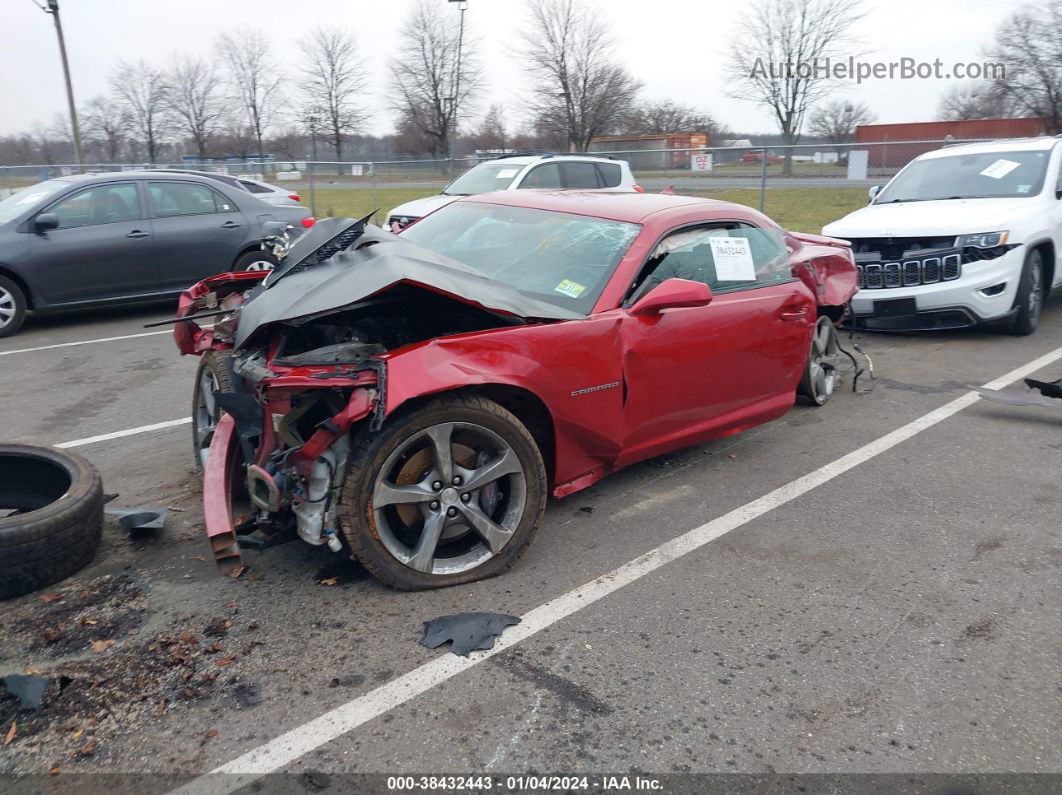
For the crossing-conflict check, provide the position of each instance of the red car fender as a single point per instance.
(573, 368)
(825, 265)
(188, 335)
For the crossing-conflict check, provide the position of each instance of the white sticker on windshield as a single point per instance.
(1000, 169)
(508, 173)
(570, 288)
(1024, 188)
(733, 259)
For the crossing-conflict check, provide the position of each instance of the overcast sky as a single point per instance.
(676, 47)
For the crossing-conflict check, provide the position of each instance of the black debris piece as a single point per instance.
(466, 631)
(1051, 389)
(109, 498)
(138, 519)
(29, 690)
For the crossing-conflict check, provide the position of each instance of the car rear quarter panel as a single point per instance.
(549, 360)
(825, 265)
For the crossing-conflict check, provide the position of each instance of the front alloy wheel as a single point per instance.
(450, 493)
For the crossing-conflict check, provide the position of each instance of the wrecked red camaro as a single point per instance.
(413, 399)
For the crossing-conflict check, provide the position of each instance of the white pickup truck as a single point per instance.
(968, 235)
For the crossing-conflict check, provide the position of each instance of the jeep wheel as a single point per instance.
(447, 493)
(1030, 298)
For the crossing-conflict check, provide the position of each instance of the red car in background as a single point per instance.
(757, 157)
(413, 399)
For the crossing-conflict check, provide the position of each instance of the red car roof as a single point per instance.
(633, 208)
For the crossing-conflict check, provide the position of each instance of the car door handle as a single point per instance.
(230, 225)
(138, 233)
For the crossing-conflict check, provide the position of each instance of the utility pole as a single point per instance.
(313, 120)
(53, 9)
(462, 6)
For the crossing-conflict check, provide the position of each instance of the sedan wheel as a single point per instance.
(449, 494)
(12, 307)
(820, 372)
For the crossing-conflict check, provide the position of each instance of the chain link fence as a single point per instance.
(819, 166)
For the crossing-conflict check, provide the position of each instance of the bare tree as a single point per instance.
(836, 121)
(196, 101)
(254, 77)
(105, 126)
(580, 88)
(1031, 48)
(778, 57)
(141, 91)
(491, 134)
(978, 101)
(435, 76)
(660, 118)
(334, 75)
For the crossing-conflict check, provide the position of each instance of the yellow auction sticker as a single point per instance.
(570, 288)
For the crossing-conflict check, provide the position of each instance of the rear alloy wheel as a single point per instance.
(446, 494)
(820, 372)
(255, 261)
(214, 375)
(12, 307)
(1030, 298)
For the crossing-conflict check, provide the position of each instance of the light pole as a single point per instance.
(451, 134)
(312, 121)
(52, 8)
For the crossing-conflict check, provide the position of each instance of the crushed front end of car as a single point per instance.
(295, 365)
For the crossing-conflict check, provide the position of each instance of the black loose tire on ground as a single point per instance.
(55, 529)
(217, 364)
(14, 307)
(371, 450)
(1030, 286)
(249, 260)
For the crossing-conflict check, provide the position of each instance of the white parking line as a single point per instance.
(106, 437)
(291, 745)
(85, 342)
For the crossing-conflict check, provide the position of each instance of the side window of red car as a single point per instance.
(725, 256)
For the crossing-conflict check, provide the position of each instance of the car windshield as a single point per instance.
(27, 198)
(980, 175)
(483, 179)
(560, 258)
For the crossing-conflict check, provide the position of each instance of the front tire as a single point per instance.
(1030, 298)
(447, 493)
(12, 307)
(214, 375)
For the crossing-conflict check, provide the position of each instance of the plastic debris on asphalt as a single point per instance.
(146, 518)
(466, 631)
(29, 690)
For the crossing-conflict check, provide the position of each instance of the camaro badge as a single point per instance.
(597, 388)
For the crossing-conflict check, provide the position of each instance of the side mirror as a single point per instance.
(672, 293)
(46, 221)
(874, 191)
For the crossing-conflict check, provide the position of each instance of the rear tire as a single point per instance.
(57, 523)
(820, 373)
(214, 375)
(512, 502)
(1030, 298)
(12, 307)
(255, 261)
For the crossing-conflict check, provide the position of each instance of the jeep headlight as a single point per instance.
(983, 240)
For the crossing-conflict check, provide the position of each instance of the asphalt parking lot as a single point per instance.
(840, 597)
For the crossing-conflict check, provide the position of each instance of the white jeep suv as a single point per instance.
(511, 172)
(962, 236)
